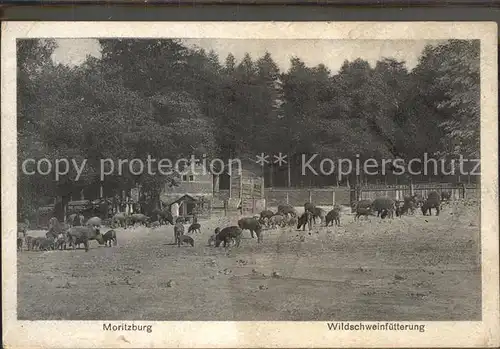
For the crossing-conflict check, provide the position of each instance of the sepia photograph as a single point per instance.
(242, 175)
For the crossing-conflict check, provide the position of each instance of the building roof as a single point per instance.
(196, 188)
(45, 209)
(170, 199)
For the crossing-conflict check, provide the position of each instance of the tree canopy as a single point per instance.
(162, 99)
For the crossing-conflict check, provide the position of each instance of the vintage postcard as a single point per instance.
(258, 184)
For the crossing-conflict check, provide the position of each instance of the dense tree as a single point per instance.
(161, 99)
(456, 80)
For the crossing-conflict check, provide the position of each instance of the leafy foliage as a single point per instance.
(158, 98)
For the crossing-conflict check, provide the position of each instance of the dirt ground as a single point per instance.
(410, 268)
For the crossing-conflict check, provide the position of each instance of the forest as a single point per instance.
(160, 98)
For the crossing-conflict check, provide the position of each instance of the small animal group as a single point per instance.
(179, 233)
(287, 216)
(387, 207)
(311, 212)
(274, 220)
(62, 236)
(125, 220)
(227, 236)
(233, 234)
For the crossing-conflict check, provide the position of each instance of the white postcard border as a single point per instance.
(89, 334)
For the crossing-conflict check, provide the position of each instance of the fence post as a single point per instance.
(252, 195)
(287, 198)
(241, 189)
(412, 189)
(333, 198)
(310, 196)
(262, 192)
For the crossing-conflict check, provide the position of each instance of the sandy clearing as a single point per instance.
(414, 268)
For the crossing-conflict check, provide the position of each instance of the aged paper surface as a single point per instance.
(411, 280)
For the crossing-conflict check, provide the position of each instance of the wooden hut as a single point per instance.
(193, 193)
(246, 188)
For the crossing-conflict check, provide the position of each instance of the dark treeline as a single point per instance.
(160, 98)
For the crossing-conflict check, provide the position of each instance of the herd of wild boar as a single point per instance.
(65, 235)
(387, 207)
(75, 232)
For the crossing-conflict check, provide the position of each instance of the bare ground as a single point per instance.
(414, 268)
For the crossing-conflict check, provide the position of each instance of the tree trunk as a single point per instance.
(288, 171)
(60, 207)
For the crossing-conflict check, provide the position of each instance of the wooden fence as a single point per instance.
(345, 196)
(398, 192)
(342, 195)
(299, 196)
